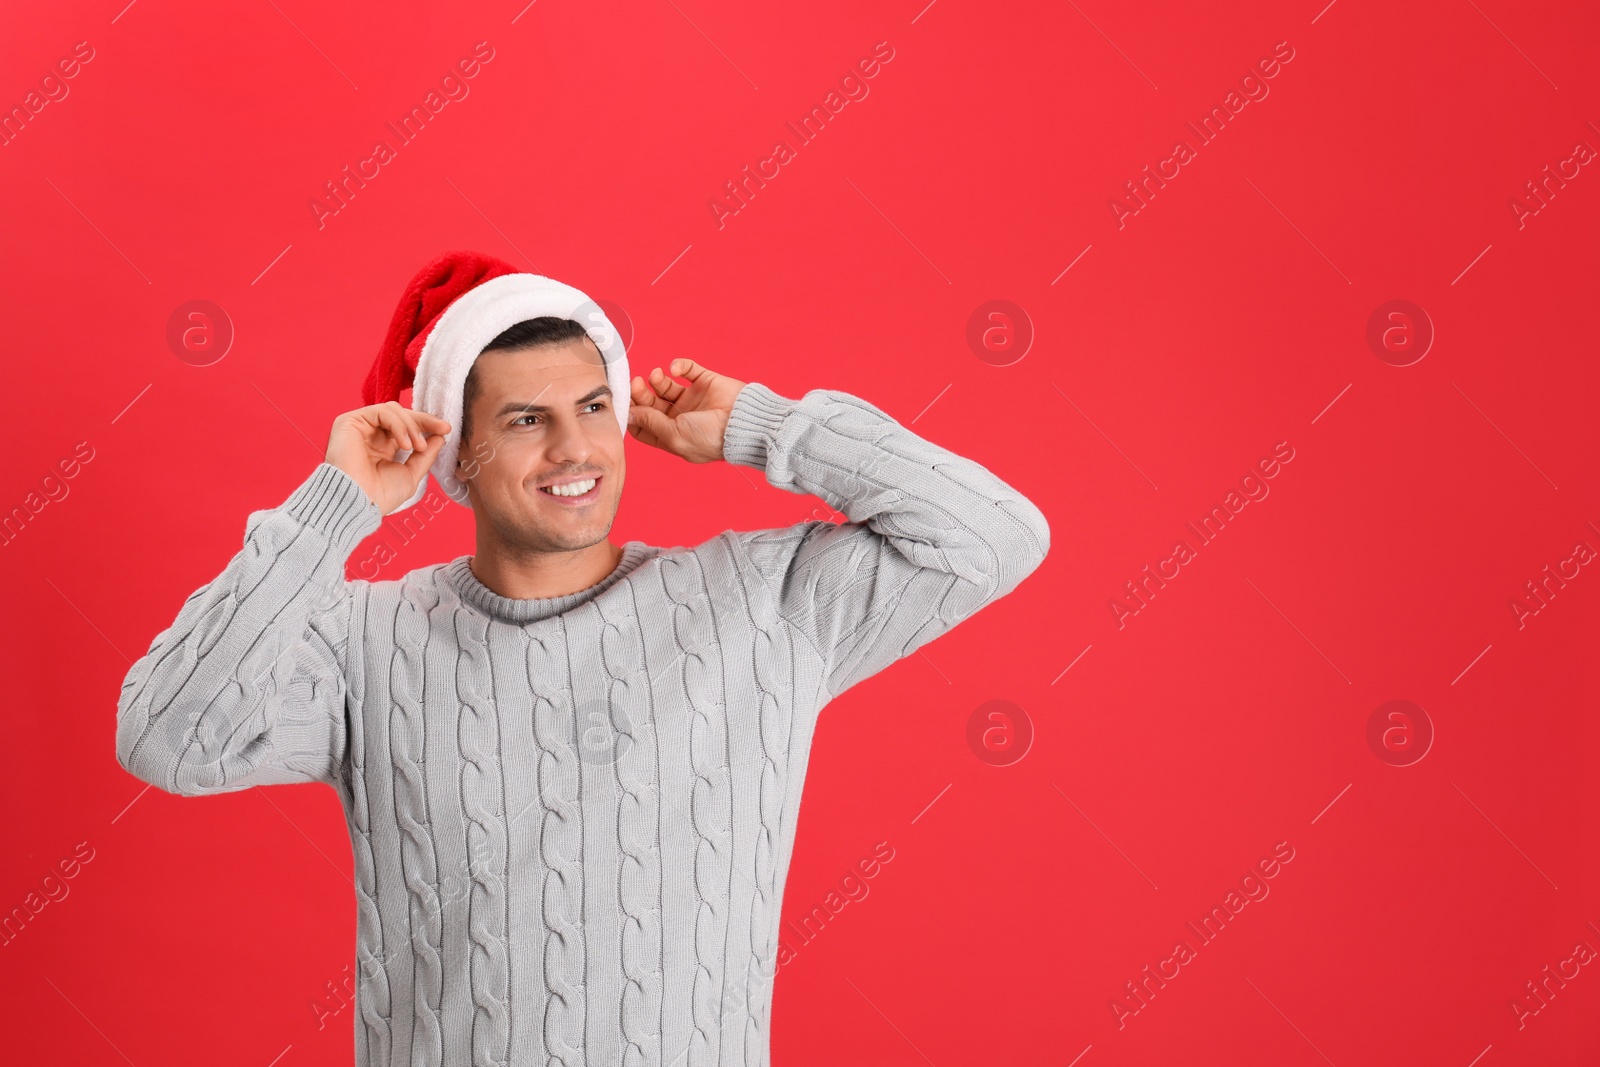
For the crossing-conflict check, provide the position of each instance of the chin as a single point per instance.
(572, 536)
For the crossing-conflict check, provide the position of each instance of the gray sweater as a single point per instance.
(572, 817)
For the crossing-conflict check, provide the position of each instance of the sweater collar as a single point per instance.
(459, 573)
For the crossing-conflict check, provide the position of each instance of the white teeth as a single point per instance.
(571, 488)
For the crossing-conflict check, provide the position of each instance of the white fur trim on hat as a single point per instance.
(477, 317)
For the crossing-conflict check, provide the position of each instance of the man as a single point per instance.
(571, 769)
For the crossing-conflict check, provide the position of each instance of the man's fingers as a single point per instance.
(670, 390)
(433, 426)
(410, 429)
(411, 434)
(646, 396)
(390, 420)
(650, 426)
(701, 380)
(422, 459)
(688, 368)
(418, 424)
(692, 397)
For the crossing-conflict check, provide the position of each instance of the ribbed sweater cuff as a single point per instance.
(753, 425)
(331, 502)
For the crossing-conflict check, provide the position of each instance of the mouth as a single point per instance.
(574, 492)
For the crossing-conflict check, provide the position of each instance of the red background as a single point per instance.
(1228, 315)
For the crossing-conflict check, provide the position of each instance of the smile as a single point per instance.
(578, 492)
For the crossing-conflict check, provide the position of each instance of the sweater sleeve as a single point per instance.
(932, 537)
(247, 687)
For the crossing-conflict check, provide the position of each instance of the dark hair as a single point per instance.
(529, 333)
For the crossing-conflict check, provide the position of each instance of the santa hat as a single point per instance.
(455, 306)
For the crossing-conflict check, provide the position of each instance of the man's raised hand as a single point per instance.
(686, 420)
(364, 443)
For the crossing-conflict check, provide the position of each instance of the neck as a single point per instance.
(539, 575)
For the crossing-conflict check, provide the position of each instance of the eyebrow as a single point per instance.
(519, 407)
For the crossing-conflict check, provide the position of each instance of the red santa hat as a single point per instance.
(455, 306)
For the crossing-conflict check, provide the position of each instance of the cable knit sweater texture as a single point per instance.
(572, 817)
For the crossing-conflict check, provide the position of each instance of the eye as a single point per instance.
(599, 405)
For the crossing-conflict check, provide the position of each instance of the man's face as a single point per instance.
(544, 418)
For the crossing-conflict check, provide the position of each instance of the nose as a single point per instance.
(566, 442)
